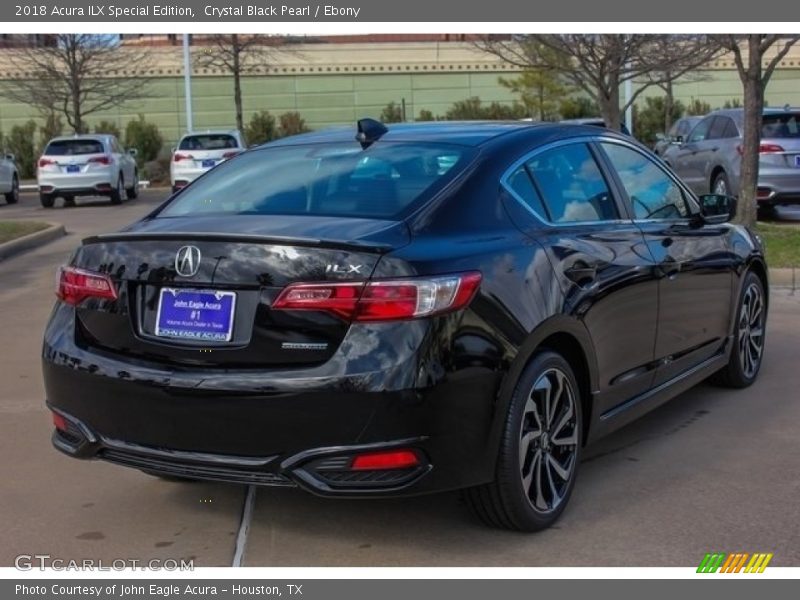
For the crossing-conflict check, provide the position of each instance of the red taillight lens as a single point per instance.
(178, 157)
(43, 162)
(59, 422)
(380, 461)
(76, 285)
(763, 149)
(388, 300)
(100, 160)
(230, 154)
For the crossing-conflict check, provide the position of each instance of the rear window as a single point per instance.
(208, 141)
(780, 126)
(73, 147)
(380, 182)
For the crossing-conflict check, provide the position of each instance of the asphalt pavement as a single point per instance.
(713, 470)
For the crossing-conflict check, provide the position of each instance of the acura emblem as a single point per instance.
(187, 261)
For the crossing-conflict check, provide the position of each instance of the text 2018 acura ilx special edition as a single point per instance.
(421, 308)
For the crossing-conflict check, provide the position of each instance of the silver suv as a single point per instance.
(86, 165)
(709, 159)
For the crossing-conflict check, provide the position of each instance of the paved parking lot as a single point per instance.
(713, 470)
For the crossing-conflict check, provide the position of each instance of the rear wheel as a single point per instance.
(539, 451)
(12, 197)
(748, 337)
(116, 195)
(47, 200)
(721, 185)
(133, 191)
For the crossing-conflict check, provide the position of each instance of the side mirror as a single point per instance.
(133, 151)
(717, 208)
(11, 157)
(678, 139)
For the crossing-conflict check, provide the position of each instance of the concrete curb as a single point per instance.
(32, 240)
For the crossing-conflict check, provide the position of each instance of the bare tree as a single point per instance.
(80, 75)
(694, 51)
(600, 64)
(755, 76)
(240, 55)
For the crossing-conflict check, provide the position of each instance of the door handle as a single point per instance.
(581, 273)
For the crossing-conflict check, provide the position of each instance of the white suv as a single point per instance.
(196, 153)
(86, 165)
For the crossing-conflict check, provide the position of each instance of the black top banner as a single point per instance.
(390, 11)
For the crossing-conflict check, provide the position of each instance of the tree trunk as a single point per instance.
(609, 105)
(237, 84)
(669, 102)
(753, 107)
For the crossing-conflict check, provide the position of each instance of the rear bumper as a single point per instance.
(779, 186)
(282, 427)
(184, 176)
(94, 182)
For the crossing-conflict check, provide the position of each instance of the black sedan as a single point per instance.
(421, 308)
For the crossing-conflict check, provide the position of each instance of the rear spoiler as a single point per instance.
(132, 236)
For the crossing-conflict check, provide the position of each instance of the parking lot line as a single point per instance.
(244, 526)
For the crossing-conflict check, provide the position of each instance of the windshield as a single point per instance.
(781, 126)
(209, 141)
(324, 179)
(73, 147)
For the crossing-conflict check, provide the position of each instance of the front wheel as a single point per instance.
(539, 452)
(12, 197)
(748, 336)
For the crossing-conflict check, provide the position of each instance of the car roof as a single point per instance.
(233, 132)
(465, 133)
(83, 136)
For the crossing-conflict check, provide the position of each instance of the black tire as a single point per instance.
(116, 194)
(133, 192)
(12, 197)
(69, 201)
(748, 338)
(511, 502)
(47, 200)
(721, 185)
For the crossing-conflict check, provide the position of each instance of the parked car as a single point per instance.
(676, 134)
(424, 308)
(9, 178)
(86, 165)
(196, 153)
(595, 122)
(710, 158)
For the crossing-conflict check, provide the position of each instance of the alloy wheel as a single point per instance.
(751, 330)
(720, 187)
(548, 441)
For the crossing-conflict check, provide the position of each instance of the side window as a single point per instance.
(700, 132)
(571, 185)
(653, 194)
(717, 129)
(522, 185)
(731, 131)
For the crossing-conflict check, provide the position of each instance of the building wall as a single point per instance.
(337, 83)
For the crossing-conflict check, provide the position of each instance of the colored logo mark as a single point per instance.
(739, 562)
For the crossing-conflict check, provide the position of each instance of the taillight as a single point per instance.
(59, 422)
(178, 157)
(386, 300)
(43, 162)
(763, 149)
(76, 285)
(100, 160)
(230, 154)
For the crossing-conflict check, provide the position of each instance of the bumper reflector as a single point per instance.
(390, 459)
(60, 422)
